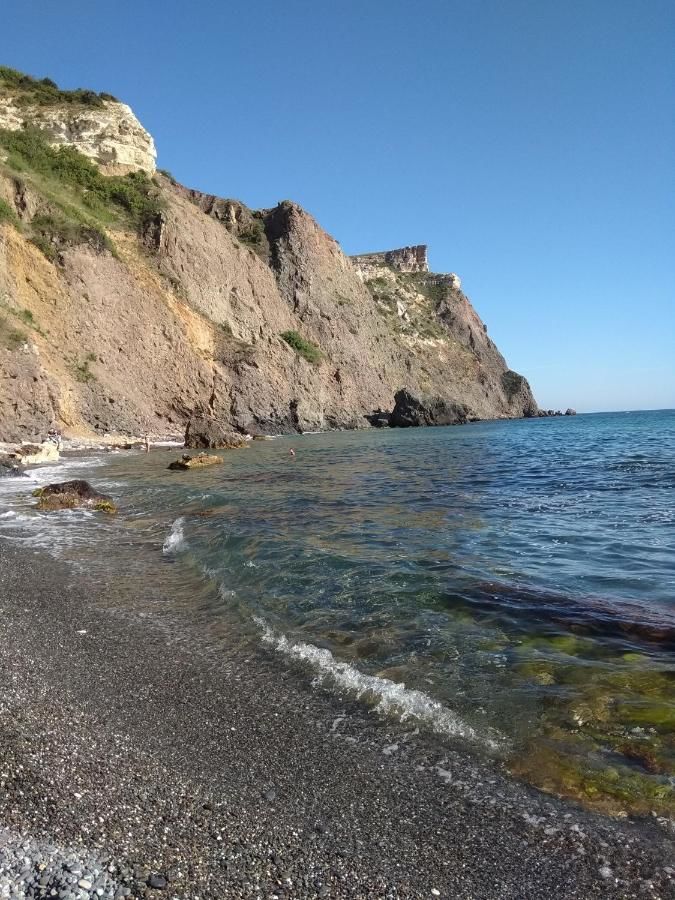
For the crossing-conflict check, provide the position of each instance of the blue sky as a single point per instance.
(529, 143)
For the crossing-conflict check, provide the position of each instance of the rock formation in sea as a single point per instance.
(131, 304)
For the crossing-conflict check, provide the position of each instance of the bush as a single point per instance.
(253, 234)
(167, 174)
(81, 371)
(302, 347)
(46, 92)
(82, 199)
(7, 214)
(54, 233)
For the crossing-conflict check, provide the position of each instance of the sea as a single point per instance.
(507, 586)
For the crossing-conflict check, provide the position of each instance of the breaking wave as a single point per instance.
(175, 540)
(388, 698)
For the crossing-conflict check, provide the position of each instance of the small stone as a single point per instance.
(85, 884)
(158, 882)
(606, 872)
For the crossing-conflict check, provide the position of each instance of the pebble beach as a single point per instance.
(137, 760)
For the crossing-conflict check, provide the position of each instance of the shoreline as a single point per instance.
(200, 763)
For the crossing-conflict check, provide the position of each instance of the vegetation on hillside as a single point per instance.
(7, 214)
(80, 200)
(302, 346)
(30, 91)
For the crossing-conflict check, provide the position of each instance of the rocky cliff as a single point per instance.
(97, 125)
(127, 303)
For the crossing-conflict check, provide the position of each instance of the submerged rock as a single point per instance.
(10, 468)
(412, 411)
(194, 462)
(73, 495)
(209, 434)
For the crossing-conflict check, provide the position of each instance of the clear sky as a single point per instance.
(529, 143)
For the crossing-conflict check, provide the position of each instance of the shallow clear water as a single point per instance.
(517, 577)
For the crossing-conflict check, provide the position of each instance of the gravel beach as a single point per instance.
(140, 758)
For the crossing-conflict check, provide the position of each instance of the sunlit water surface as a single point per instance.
(510, 585)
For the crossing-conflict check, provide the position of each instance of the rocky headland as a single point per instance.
(129, 303)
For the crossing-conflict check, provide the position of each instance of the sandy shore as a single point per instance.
(186, 769)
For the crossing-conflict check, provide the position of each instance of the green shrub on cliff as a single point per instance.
(53, 233)
(30, 91)
(302, 347)
(7, 214)
(132, 195)
(80, 201)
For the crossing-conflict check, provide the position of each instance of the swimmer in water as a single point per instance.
(292, 452)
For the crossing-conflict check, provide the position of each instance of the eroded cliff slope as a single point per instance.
(127, 303)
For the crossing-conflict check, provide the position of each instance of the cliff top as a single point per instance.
(98, 125)
(405, 259)
(29, 91)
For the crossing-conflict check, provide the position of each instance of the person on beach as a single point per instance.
(146, 442)
(54, 437)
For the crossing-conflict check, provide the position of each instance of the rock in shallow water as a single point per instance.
(194, 462)
(10, 468)
(73, 495)
(412, 411)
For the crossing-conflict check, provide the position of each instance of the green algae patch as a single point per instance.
(563, 770)
(660, 716)
(605, 731)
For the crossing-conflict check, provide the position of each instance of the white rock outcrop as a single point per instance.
(110, 134)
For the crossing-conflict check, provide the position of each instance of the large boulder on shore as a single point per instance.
(74, 494)
(203, 433)
(411, 411)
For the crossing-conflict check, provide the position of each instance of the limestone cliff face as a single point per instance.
(406, 259)
(214, 308)
(109, 134)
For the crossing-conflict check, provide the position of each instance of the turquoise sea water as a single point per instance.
(507, 584)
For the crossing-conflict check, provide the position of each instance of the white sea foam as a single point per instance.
(175, 540)
(388, 697)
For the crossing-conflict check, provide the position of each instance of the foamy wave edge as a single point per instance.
(392, 699)
(175, 539)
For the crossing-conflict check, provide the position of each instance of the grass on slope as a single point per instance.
(29, 91)
(7, 214)
(302, 346)
(81, 201)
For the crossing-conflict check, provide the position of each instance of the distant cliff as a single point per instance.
(128, 302)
